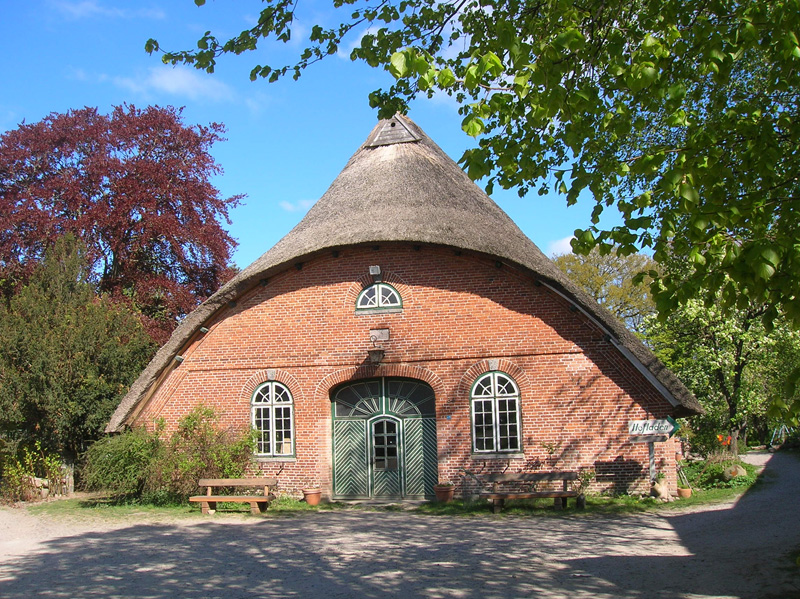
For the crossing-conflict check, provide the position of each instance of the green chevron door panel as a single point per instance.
(421, 458)
(350, 459)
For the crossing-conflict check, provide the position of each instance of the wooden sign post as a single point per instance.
(651, 432)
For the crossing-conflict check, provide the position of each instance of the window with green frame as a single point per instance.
(272, 413)
(494, 402)
(379, 295)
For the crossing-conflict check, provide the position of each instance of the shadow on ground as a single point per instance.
(380, 555)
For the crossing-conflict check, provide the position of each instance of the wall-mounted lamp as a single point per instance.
(179, 359)
(375, 273)
(375, 356)
(204, 330)
(573, 308)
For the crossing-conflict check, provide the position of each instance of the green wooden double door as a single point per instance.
(384, 439)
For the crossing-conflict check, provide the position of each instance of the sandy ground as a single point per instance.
(742, 549)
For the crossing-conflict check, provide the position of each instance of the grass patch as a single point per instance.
(708, 488)
(107, 509)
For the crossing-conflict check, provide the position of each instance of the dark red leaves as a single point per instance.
(135, 187)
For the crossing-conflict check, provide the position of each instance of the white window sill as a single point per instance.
(511, 455)
(363, 311)
(269, 458)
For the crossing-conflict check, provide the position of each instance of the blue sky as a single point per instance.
(286, 142)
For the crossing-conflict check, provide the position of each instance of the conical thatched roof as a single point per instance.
(400, 186)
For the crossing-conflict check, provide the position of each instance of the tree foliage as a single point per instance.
(608, 278)
(682, 114)
(135, 187)
(736, 368)
(67, 356)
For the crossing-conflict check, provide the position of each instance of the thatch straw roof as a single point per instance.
(400, 186)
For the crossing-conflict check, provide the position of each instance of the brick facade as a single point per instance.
(463, 314)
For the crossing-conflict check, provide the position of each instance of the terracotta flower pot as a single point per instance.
(312, 496)
(444, 493)
(684, 493)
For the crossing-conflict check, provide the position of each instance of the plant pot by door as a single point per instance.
(444, 493)
(312, 496)
(684, 493)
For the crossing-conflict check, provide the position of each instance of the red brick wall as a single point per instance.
(461, 313)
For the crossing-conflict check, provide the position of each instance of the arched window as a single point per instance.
(379, 295)
(495, 413)
(273, 420)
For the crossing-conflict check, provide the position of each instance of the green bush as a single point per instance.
(199, 448)
(708, 474)
(121, 464)
(19, 473)
(141, 466)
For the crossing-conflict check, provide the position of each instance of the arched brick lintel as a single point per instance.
(356, 373)
(271, 374)
(489, 365)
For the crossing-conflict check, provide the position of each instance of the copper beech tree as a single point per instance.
(135, 187)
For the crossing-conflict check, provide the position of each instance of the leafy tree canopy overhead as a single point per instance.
(682, 114)
(135, 187)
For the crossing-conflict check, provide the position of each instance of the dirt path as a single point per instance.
(740, 550)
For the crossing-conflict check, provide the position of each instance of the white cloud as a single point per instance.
(297, 206)
(83, 9)
(178, 81)
(560, 246)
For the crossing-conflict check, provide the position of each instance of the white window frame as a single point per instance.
(493, 390)
(378, 287)
(270, 400)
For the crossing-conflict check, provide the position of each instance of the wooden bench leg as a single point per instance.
(208, 507)
(557, 504)
(255, 507)
(498, 505)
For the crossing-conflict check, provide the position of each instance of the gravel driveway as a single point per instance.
(741, 549)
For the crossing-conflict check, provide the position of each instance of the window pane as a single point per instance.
(483, 388)
(505, 386)
(262, 394)
(368, 298)
(389, 297)
(281, 394)
(261, 421)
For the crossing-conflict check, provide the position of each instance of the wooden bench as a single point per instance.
(258, 503)
(498, 495)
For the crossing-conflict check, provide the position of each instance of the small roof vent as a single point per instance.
(394, 131)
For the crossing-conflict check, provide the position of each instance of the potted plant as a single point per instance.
(684, 491)
(444, 492)
(312, 495)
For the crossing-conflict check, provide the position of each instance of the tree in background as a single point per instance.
(684, 115)
(608, 278)
(736, 368)
(67, 356)
(135, 187)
